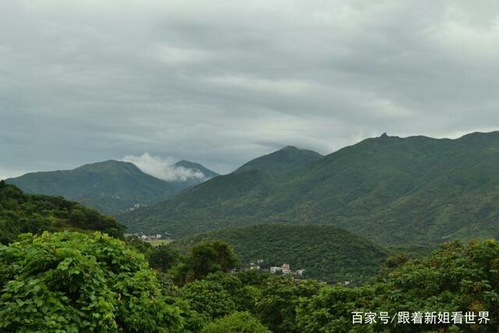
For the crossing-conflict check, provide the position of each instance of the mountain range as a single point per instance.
(111, 187)
(393, 190)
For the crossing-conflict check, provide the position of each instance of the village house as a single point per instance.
(150, 237)
(285, 269)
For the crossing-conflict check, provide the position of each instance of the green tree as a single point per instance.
(206, 258)
(279, 298)
(457, 277)
(237, 322)
(74, 282)
(244, 296)
(22, 213)
(138, 244)
(163, 257)
(330, 311)
(209, 298)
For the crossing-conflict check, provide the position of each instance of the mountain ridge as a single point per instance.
(281, 160)
(392, 190)
(110, 186)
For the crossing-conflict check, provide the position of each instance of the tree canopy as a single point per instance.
(241, 322)
(22, 213)
(206, 258)
(74, 282)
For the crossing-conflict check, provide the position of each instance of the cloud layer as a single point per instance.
(164, 168)
(221, 82)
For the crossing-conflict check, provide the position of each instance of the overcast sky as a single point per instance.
(222, 82)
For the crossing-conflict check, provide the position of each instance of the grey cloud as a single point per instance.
(220, 82)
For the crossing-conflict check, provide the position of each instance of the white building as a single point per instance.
(275, 269)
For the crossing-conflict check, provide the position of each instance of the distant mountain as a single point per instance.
(327, 253)
(198, 169)
(281, 161)
(21, 213)
(393, 190)
(243, 189)
(110, 187)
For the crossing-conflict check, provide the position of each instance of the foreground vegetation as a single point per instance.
(73, 282)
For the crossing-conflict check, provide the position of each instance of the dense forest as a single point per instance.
(74, 282)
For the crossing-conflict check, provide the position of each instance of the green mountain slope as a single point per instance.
(208, 174)
(327, 253)
(110, 187)
(389, 189)
(20, 212)
(281, 161)
(238, 194)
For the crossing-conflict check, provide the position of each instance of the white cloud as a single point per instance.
(164, 168)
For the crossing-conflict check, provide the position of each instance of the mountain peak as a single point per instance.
(280, 161)
(112, 167)
(196, 167)
(289, 148)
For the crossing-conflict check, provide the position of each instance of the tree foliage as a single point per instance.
(457, 278)
(73, 282)
(206, 258)
(330, 310)
(240, 322)
(209, 298)
(22, 213)
(279, 298)
(163, 257)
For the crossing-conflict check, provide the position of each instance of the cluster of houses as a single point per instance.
(150, 237)
(135, 206)
(284, 269)
(154, 236)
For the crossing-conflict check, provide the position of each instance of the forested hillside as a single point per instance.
(389, 189)
(20, 213)
(326, 253)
